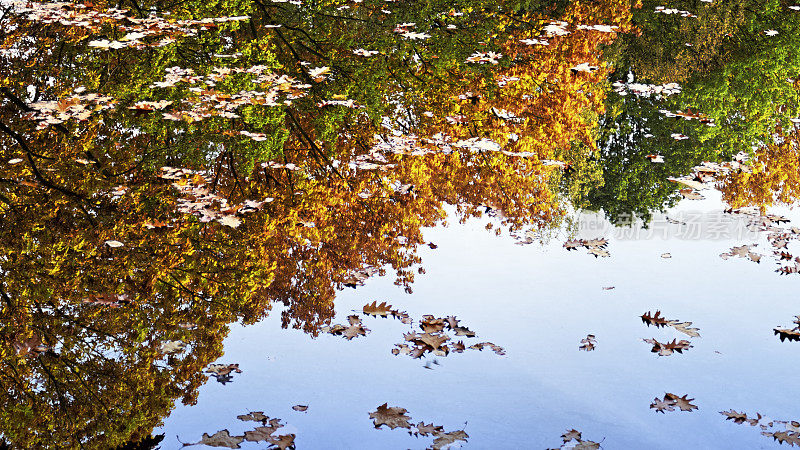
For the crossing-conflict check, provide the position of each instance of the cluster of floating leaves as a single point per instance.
(433, 339)
(778, 236)
(672, 401)
(404, 30)
(395, 417)
(79, 106)
(357, 277)
(136, 29)
(354, 329)
(277, 90)
(790, 334)
(108, 300)
(223, 372)
(669, 348)
(596, 247)
(689, 115)
(704, 175)
(264, 433)
(410, 144)
(485, 57)
(670, 11)
(199, 201)
(573, 439)
(743, 251)
(646, 90)
(770, 428)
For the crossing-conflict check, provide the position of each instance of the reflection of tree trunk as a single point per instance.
(62, 400)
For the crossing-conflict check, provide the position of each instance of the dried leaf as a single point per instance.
(667, 349)
(374, 309)
(220, 439)
(283, 441)
(588, 343)
(393, 417)
(445, 439)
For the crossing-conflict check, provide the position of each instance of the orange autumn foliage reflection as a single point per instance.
(775, 176)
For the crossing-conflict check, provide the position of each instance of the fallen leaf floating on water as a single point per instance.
(283, 441)
(170, 347)
(668, 348)
(391, 416)
(444, 440)
(743, 251)
(223, 372)
(219, 439)
(253, 416)
(156, 225)
(573, 439)
(375, 309)
(358, 277)
(110, 300)
(583, 67)
(654, 319)
(696, 185)
(300, 408)
(790, 334)
(354, 329)
(588, 343)
(426, 430)
(431, 324)
(659, 321)
(384, 310)
(395, 417)
(495, 348)
(672, 401)
(595, 247)
(690, 194)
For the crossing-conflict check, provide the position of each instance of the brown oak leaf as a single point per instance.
(444, 439)
(283, 441)
(393, 417)
(374, 309)
(220, 439)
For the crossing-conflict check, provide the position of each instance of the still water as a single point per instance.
(376, 224)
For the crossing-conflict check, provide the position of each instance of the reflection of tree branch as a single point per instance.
(314, 146)
(35, 169)
(79, 376)
(19, 382)
(14, 99)
(7, 300)
(62, 399)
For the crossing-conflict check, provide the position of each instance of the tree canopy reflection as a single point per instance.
(318, 140)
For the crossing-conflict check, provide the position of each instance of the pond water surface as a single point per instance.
(377, 224)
